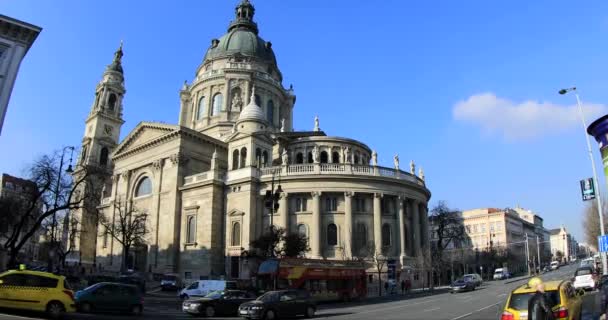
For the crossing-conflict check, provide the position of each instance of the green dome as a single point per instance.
(241, 41)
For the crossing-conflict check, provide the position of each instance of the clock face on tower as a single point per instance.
(107, 129)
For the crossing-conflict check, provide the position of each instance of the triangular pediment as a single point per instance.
(143, 133)
(263, 136)
(235, 212)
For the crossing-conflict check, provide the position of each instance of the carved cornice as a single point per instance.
(179, 159)
(18, 31)
(158, 164)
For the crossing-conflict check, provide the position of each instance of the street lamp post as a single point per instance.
(53, 243)
(271, 200)
(597, 186)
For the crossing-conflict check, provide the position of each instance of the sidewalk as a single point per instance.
(414, 293)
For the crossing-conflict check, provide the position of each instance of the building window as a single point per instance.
(258, 157)
(258, 101)
(359, 204)
(303, 230)
(243, 157)
(236, 234)
(310, 159)
(335, 157)
(188, 275)
(201, 108)
(332, 235)
(191, 229)
(300, 204)
(483, 227)
(144, 187)
(492, 226)
(270, 111)
(324, 157)
(83, 155)
(265, 159)
(474, 228)
(360, 236)
(331, 204)
(386, 235)
(299, 158)
(112, 102)
(468, 229)
(218, 100)
(235, 159)
(103, 157)
(356, 159)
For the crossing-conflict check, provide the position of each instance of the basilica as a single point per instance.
(203, 180)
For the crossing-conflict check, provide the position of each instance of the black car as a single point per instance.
(461, 285)
(282, 303)
(217, 303)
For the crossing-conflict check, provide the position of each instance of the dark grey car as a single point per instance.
(275, 304)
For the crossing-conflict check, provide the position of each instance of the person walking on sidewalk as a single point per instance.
(402, 286)
(539, 307)
(386, 288)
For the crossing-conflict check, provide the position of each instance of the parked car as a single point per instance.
(36, 291)
(585, 278)
(501, 274)
(282, 303)
(461, 285)
(201, 288)
(110, 296)
(565, 301)
(169, 282)
(474, 278)
(546, 269)
(217, 303)
(554, 265)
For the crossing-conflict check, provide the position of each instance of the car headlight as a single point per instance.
(257, 308)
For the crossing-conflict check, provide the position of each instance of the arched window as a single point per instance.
(265, 159)
(235, 159)
(191, 229)
(236, 234)
(324, 157)
(332, 235)
(299, 158)
(386, 235)
(270, 111)
(335, 157)
(258, 101)
(258, 157)
(243, 157)
(112, 102)
(361, 236)
(144, 187)
(103, 157)
(201, 108)
(356, 159)
(310, 160)
(218, 100)
(303, 230)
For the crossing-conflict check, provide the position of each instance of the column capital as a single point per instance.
(378, 195)
(402, 197)
(349, 194)
(315, 193)
(283, 195)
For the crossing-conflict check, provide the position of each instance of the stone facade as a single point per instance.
(203, 181)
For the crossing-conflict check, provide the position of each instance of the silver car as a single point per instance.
(473, 278)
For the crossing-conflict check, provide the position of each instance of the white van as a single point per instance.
(201, 288)
(501, 274)
(554, 265)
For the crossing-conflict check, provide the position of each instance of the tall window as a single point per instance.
(201, 108)
(310, 160)
(360, 204)
(300, 204)
(302, 230)
(191, 229)
(112, 102)
(103, 157)
(331, 204)
(144, 187)
(386, 235)
(332, 235)
(324, 157)
(335, 157)
(265, 159)
(361, 236)
(299, 158)
(356, 159)
(243, 157)
(270, 111)
(236, 234)
(235, 159)
(258, 157)
(258, 101)
(218, 100)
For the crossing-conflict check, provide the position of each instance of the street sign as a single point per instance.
(602, 242)
(587, 189)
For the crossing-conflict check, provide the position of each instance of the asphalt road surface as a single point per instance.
(486, 302)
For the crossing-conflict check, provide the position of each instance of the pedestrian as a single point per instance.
(604, 293)
(386, 287)
(539, 307)
(402, 286)
(408, 285)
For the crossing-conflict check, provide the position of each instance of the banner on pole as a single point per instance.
(587, 189)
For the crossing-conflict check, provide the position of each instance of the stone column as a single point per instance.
(315, 228)
(416, 226)
(284, 212)
(424, 219)
(378, 223)
(402, 228)
(348, 223)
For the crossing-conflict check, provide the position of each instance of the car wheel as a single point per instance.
(85, 307)
(310, 312)
(209, 311)
(55, 310)
(270, 315)
(136, 310)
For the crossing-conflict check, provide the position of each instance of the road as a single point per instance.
(484, 303)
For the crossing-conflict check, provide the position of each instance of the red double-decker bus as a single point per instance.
(324, 279)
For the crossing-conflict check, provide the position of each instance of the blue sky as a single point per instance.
(467, 89)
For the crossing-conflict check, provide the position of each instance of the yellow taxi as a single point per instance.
(37, 291)
(566, 301)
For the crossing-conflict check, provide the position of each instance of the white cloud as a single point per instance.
(523, 120)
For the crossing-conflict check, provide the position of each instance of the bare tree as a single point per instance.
(591, 222)
(448, 228)
(377, 259)
(127, 225)
(54, 192)
(63, 246)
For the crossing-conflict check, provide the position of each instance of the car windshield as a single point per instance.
(519, 301)
(582, 272)
(269, 297)
(214, 294)
(169, 278)
(93, 287)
